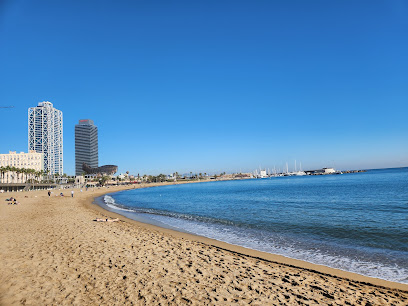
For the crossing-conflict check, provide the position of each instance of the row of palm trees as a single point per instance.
(20, 175)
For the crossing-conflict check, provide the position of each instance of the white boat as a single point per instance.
(296, 172)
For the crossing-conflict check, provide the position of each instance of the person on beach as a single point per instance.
(13, 201)
(72, 194)
(61, 194)
(106, 220)
(49, 193)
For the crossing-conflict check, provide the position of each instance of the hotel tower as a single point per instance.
(45, 135)
(86, 145)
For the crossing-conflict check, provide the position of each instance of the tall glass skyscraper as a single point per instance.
(45, 135)
(86, 145)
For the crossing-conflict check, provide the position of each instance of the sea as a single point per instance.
(356, 222)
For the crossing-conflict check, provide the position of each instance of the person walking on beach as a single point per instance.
(72, 194)
(49, 193)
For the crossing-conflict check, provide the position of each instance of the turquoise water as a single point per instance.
(354, 222)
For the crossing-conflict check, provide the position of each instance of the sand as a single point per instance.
(52, 253)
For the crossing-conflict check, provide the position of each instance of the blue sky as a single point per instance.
(210, 86)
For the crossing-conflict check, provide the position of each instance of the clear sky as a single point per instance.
(208, 86)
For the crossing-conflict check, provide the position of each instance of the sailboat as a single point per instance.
(296, 172)
(300, 172)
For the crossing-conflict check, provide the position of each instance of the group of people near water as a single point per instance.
(13, 201)
(61, 194)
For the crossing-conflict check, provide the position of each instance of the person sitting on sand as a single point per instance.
(13, 201)
(61, 194)
(106, 220)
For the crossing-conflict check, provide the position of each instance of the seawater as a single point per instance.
(354, 222)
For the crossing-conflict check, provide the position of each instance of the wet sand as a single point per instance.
(53, 253)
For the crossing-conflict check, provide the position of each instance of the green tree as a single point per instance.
(14, 170)
(104, 180)
(2, 171)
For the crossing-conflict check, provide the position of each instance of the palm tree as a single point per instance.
(104, 180)
(18, 171)
(20, 174)
(48, 172)
(28, 175)
(14, 173)
(2, 171)
(6, 173)
(23, 173)
(41, 175)
(32, 175)
(11, 176)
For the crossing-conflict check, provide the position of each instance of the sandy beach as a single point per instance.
(53, 253)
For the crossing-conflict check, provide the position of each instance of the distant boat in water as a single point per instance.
(296, 172)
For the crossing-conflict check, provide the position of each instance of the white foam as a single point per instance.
(110, 202)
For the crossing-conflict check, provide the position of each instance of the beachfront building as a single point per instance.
(45, 135)
(13, 166)
(86, 145)
(100, 171)
(322, 171)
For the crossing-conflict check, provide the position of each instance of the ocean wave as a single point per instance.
(110, 202)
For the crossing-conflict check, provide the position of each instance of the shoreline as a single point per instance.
(274, 258)
(52, 252)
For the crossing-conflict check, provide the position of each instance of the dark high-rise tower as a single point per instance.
(86, 145)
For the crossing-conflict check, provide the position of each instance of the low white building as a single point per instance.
(329, 170)
(30, 160)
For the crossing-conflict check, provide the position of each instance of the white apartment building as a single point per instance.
(45, 135)
(30, 160)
